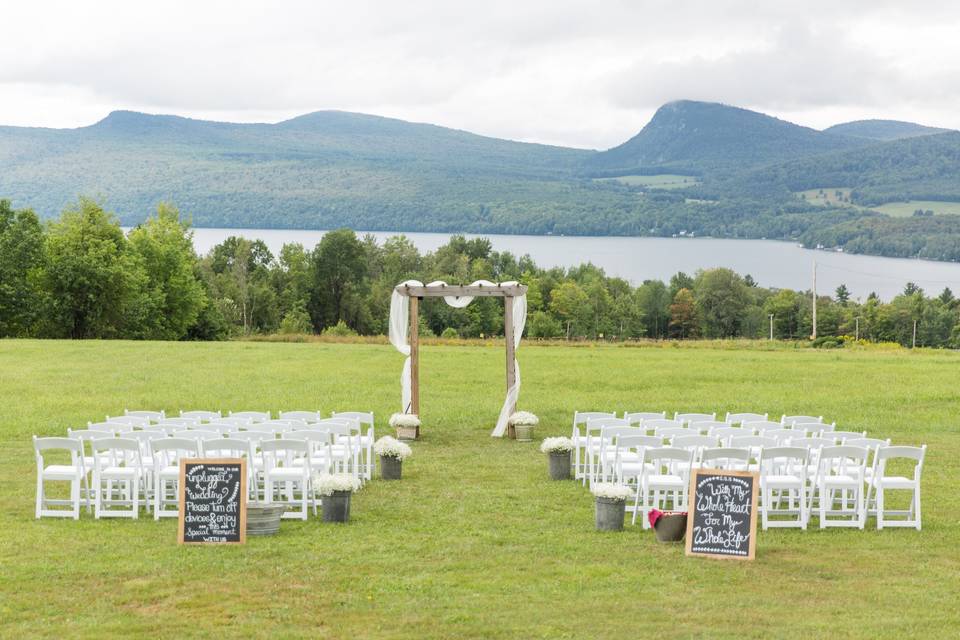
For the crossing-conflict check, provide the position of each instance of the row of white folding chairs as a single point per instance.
(137, 472)
(732, 418)
(246, 420)
(846, 481)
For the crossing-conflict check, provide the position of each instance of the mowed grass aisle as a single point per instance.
(475, 541)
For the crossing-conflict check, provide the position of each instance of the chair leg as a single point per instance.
(75, 497)
(916, 499)
(880, 508)
(39, 494)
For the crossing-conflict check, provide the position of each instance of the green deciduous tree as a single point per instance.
(21, 265)
(721, 297)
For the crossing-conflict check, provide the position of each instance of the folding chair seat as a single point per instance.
(881, 483)
(783, 476)
(365, 441)
(75, 473)
(167, 453)
(666, 479)
(116, 460)
(282, 471)
(740, 418)
(580, 440)
(840, 482)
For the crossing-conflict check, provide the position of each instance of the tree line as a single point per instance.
(81, 276)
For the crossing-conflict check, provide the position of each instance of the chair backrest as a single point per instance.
(789, 420)
(303, 416)
(673, 432)
(145, 438)
(694, 417)
(181, 421)
(197, 435)
(253, 436)
(109, 427)
(868, 443)
(239, 421)
(284, 453)
(634, 417)
(363, 417)
(753, 441)
(725, 433)
(814, 442)
(581, 417)
(784, 436)
(73, 445)
(274, 427)
(843, 436)
(759, 426)
(885, 454)
(134, 421)
(596, 425)
(662, 423)
(695, 443)
(813, 427)
(842, 460)
(116, 452)
(631, 441)
(251, 416)
(163, 428)
(706, 426)
(152, 416)
(85, 435)
(676, 461)
(609, 434)
(784, 460)
(731, 458)
(167, 452)
(739, 418)
(203, 416)
(226, 448)
(222, 427)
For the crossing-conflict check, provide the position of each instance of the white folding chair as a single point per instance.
(254, 460)
(286, 466)
(580, 440)
(704, 427)
(251, 416)
(755, 444)
(116, 460)
(783, 475)
(814, 427)
(222, 427)
(320, 442)
(638, 417)
(740, 418)
(202, 416)
(840, 482)
(591, 450)
(882, 482)
(365, 441)
(725, 433)
(843, 436)
(152, 416)
(784, 436)
(695, 444)
(628, 456)
(665, 479)
(75, 473)
(761, 426)
(672, 432)
(113, 428)
(687, 418)
(181, 422)
(607, 456)
(167, 453)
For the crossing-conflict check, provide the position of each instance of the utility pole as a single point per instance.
(914, 334)
(858, 328)
(814, 299)
(771, 326)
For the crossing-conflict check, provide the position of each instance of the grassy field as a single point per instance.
(662, 181)
(475, 541)
(906, 209)
(827, 196)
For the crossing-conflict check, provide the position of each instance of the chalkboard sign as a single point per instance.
(722, 520)
(213, 500)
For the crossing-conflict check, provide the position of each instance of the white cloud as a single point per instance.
(562, 72)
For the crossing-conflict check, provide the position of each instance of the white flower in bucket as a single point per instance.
(556, 445)
(392, 448)
(524, 419)
(612, 491)
(326, 484)
(408, 420)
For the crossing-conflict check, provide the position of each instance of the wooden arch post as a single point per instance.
(417, 293)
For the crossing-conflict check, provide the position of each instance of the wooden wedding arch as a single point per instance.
(416, 293)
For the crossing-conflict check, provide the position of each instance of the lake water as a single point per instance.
(771, 263)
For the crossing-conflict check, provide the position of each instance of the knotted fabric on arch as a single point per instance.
(400, 339)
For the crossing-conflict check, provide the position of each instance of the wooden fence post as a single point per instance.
(511, 349)
(415, 356)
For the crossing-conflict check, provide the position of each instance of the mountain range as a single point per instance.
(740, 175)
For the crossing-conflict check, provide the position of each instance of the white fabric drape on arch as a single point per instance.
(399, 338)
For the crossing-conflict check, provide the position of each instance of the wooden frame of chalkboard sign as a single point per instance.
(237, 496)
(700, 478)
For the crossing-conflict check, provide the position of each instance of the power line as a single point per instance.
(886, 277)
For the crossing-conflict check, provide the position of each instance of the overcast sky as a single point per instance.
(587, 74)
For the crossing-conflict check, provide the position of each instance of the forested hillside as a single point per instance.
(883, 129)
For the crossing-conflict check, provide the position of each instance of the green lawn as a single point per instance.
(661, 181)
(827, 196)
(475, 541)
(906, 209)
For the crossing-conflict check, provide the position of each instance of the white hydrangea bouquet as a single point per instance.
(325, 484)
(390, 447)
(406, 420)
(556, 445)
(612, 491)
(524, 419)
